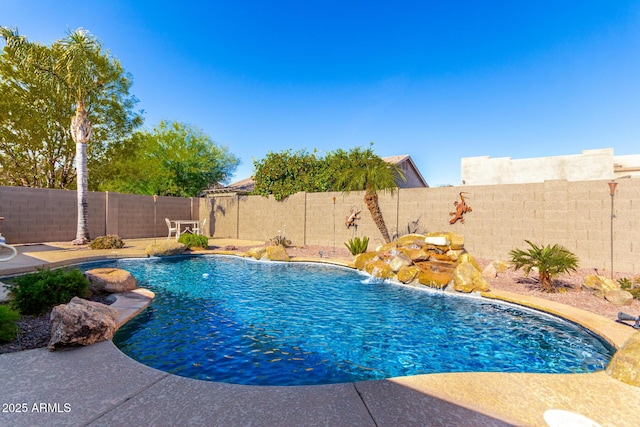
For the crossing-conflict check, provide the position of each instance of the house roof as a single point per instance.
(405, 158)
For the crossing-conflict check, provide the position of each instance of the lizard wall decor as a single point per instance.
(461, 209)
(351, 219)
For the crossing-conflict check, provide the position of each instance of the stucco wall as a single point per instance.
(590, 165)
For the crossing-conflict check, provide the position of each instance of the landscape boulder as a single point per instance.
(490, 272)
(599, 285)
(625, 364)
(276, 253)
(379, 268)
(399, 261)
(166, 248)
(467, 278)
(434, 276)
(428, 259)
(362, 259)
(256, 253)
(416, 254)
(619, 297)
(408, 274)
(81, 322)
(110, 280)
(411, 240)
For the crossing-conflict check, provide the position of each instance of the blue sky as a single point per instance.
(437, 80)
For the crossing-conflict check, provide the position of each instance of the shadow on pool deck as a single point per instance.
(99, 385)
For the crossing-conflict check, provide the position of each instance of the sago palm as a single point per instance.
(549, 261)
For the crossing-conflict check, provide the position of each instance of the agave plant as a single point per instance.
(549, 261)
(357, 246)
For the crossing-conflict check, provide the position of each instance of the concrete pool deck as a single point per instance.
(99, 385)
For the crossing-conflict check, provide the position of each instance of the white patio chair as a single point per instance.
(197, 228)
(173, 230)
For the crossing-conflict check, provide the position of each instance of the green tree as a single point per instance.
(361, 169)
(285, 173)
(549, 261)
(73, 74)
(35, 149)
(174, 159)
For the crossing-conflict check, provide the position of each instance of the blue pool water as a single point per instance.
(231, 320)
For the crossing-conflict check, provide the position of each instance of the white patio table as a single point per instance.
(187, 223)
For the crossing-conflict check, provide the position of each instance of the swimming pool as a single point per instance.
(233, 320)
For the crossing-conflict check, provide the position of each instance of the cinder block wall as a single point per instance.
(576, 215)
(263, 218)
(132, 215)
(35, 215)
(222, 214)
(45, 215)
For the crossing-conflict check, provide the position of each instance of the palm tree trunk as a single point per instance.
(81, 133)
(546, 284)
(371, 200)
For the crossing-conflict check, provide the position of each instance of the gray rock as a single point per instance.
(81, 322)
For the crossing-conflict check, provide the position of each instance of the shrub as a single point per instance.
(194, 240)
(107, 242)
(36, 293)
(550, 261)
(633, 287)
(280, 241)
(8, 327)
(357, 246)
(625, 283)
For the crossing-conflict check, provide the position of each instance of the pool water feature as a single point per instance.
(232, 320)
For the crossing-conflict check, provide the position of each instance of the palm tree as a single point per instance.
(361, 169)
(550, 261)
(77, 67)
(79, 70)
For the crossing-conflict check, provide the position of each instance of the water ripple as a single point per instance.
(231, 320)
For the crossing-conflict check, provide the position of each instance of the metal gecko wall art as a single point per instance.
(461, 209)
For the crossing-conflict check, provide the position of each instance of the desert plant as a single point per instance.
(357, 246)
(8, 327)
(36, 293)
(549, 261)
(625, 283)
(280, 241)
(107, 242)
(631, 286)
(194, 240)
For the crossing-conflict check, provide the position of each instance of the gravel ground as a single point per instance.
(35, 330)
